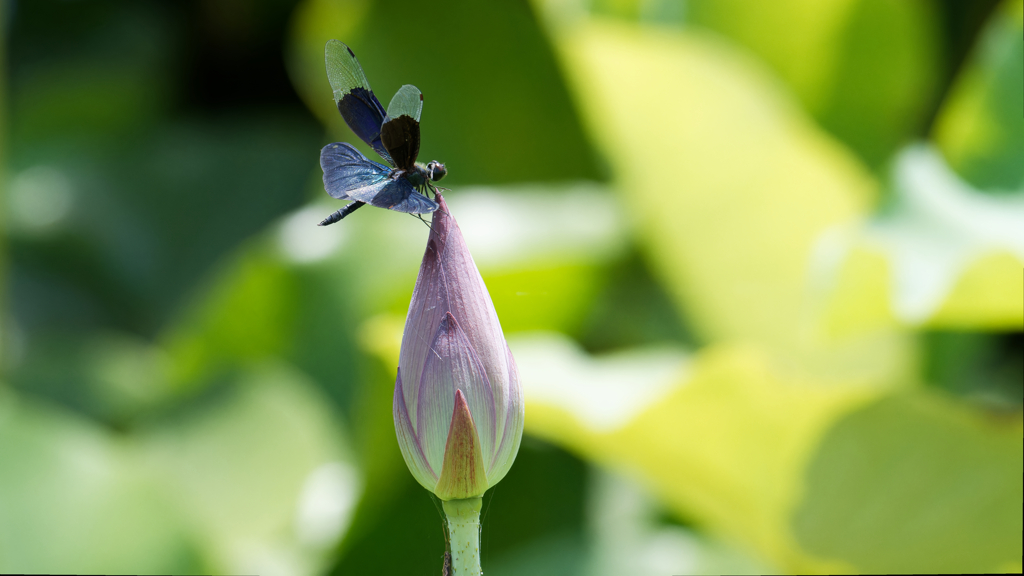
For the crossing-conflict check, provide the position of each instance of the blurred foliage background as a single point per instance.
(760, 265)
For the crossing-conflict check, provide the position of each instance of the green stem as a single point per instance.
(464, 534)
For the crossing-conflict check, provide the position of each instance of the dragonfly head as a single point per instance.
(436, 170)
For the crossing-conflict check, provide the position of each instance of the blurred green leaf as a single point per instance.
(723, 442)
(944, 255)
(892, 483)
(146, 223)
(116, 82)
(979, 128)
(753, 187)
(242, 468)
(107, 100)
(234, 485)
(629, 538)
(984, 367)
(289, 294)
(539, 507)
(548, 555)
(247, 315)
(915, 484)
(74, 499)
(632, 309)
(115, 378)
(865, 69)
(550, 297)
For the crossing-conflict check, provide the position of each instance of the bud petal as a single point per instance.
(451, 367)
(512, 427)
(409, 442)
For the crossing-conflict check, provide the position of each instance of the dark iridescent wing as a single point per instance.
(348, 175)
(395, 194)
(400, 132)
(346, 170)
(358, 106)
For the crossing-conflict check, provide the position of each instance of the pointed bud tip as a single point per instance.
(441, 220)
(462, 473)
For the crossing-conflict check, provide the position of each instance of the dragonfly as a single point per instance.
(403, 184)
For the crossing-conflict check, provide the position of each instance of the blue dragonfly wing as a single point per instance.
(395, 194)
(358, 106)
(346, 170)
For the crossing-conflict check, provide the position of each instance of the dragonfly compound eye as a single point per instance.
(436, 170)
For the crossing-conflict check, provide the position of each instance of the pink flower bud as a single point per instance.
(458, 402)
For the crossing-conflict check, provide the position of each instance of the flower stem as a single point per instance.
(464, 534)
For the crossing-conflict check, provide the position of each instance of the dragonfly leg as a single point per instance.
(434, 188)
(344, 211)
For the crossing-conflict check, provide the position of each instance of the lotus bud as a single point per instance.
(458, 403)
